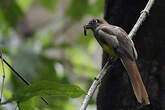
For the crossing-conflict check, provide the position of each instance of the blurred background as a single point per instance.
(43, 40)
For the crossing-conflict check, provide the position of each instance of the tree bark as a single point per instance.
(115, 91)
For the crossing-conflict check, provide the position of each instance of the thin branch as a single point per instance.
(17, 74)
(20, 76)
(94, 86)
(3, 76)
(99, 77)
(142, 17)
(96, 82)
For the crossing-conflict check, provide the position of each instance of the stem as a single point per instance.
(94, 86)
(3, 76)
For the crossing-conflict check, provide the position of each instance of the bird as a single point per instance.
(115, 41)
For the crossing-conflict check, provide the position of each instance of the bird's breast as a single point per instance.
(109, 50)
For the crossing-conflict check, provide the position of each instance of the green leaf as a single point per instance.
(46, 88)
(27, 105)
(77, 9)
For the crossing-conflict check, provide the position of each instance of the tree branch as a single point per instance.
(101, 74)
(94, 85)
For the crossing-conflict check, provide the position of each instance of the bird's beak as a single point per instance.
(87, 26)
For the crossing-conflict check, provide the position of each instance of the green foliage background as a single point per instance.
(50, 77)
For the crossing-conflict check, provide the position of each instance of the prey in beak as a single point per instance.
(87, 26)
(85, 30)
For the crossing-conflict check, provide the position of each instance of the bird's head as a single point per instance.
(93, 24)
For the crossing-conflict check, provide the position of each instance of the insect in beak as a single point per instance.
(85, 30)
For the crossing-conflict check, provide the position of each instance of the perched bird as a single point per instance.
(115, 41)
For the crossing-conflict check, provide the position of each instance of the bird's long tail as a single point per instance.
(136, 80)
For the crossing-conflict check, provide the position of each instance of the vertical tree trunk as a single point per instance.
(115, 92)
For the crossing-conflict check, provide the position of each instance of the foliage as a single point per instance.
(45, 88)
(58, 79)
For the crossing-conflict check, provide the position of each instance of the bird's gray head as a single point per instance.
(93, 24)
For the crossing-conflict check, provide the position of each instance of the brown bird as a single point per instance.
(115, 41)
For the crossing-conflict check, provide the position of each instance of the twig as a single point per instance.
(3, 76)
(20, 76)
(142, 17)
(94, 85)
(17, 74)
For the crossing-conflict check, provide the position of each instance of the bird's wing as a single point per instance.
(126, 45)
(108, 39)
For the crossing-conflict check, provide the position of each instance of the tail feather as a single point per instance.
(136, 80)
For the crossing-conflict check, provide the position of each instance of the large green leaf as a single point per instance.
(46, 88)
(35, 68)
(27, 105)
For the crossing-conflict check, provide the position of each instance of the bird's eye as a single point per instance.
(95, 21)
